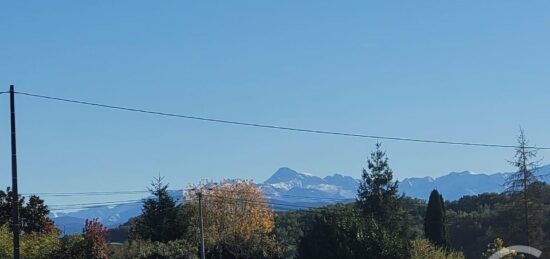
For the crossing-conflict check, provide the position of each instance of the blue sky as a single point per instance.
(450, 70)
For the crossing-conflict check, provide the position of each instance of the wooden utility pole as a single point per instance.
(202, 224)
(15, 194)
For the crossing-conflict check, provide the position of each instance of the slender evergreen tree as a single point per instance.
(435, 228)
(519, 183)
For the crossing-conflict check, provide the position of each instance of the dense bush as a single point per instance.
(178, 249)
(33, 245)
(91, 244)
(73, 246)
(422, 249)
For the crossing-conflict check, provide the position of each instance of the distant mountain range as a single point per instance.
(109, 216)
(289, 189)
(289, 185)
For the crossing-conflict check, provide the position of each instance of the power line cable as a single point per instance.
(273, 197)
(260, 202)
(270, 126)
(90, 206)
(311, 197)
(71, 194)
(277, 207)
(71, 206)
(294, 208)
(106, 193)
(98, 203)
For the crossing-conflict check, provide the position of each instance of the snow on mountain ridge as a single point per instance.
(453, 185)
(287, 180)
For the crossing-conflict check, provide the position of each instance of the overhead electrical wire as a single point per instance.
(238, 123)
(269, 201)
(72, 206)
(105, 193)
(276, 206)
(259, 202)
(106, 203)
(71, 194)
(98, 203)
(66, 208)
(272, 126)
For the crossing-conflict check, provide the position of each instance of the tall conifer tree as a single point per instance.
(377, 194)
(521, 181)
(382, 209)
(435, 228)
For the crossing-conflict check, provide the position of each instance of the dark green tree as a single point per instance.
(6, 203)
(377, 194)
(382, 208)
(340, 231)
(33, 214)
(435, 222)
(161, 218)
(72, 246)
(332, 232)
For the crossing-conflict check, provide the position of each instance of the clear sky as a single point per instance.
(449, 70)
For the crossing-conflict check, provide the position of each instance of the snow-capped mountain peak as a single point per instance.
(287, 182)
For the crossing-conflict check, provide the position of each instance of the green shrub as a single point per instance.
(422, 248)
(73, 246)
(33, 245)
(178, 249)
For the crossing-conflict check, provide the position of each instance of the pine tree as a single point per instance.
(382, 209)
(435, 228)
(161, 218)
(520, 181)
(377, 194)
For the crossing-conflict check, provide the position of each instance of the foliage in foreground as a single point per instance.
(33, 245)
(91, 244)
(340, 231)
(37, 245)
(423, 249)
(178, 249)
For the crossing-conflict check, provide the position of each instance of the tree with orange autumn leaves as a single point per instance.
(238, 222)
